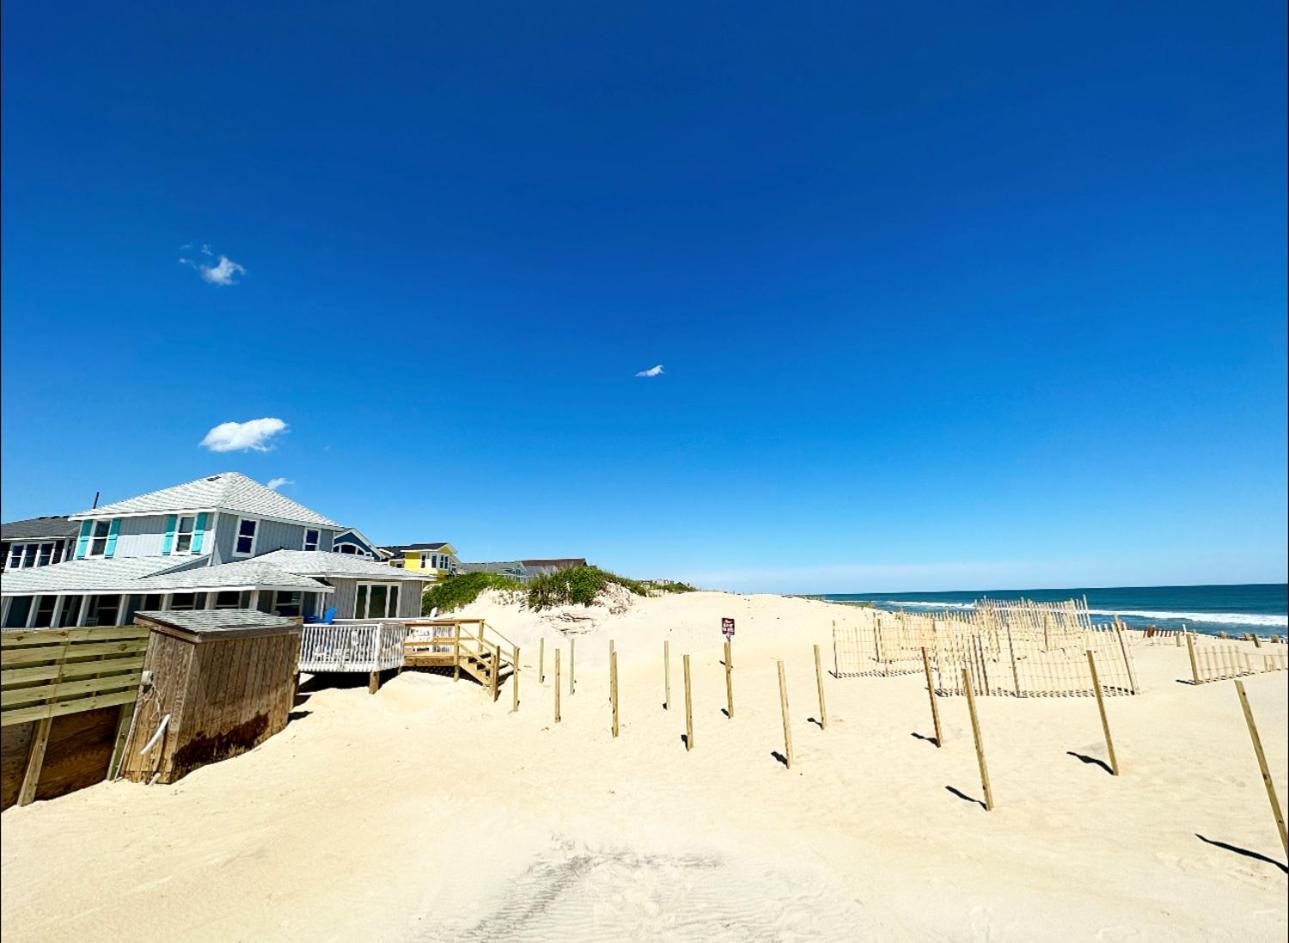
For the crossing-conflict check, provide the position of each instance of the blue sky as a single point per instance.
(945, 296)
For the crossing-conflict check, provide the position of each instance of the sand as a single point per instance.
(428, 813)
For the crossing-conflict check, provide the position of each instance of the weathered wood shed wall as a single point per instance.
(226, 689)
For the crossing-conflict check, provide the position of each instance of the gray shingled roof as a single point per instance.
(93, 576)
(226, 491)
(43, 528)
(208, 621)
(152, 575)
(432, 545)
(348, 565)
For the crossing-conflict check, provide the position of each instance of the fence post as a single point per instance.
(819, 681)
(729, 684)
(1262, 765)
(456, 652)
(571, 682)
(935, 708)
(1190, 650)
(611, 650)
(496, 672)
(1105, 722)
(783, 708)
(613, 688)
(514, 679)
(980, 747)
(541, 660)
(557, 685)
(35, 761)
(689, 710)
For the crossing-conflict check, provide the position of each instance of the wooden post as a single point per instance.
(35, 760)
(571, 648)
(514, 679)
(373, 682)
(1105, 722)
(1262, 765)
(541, 660)
(666, 675)
(613, 688)
(123, 721)
(935, 708)
(980, 747)
(1190, 650)
(783, 707)
(819, 681)
(496, 672)
(689, 710)
(557, 685)
(456, 652)
(729, 684)
(1127, 662)
(611, 650)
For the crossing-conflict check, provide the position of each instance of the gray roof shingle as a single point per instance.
(226, 491)
(213, 621)
(347, 565)
(152, 575)
(50, 527)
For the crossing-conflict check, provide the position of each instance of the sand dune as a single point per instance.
(428, 813)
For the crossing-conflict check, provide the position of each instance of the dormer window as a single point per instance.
(311, 539)
(184, 529)
(245, 544)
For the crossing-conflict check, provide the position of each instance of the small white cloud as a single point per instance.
(653, 371)
(253, 434)
(224, 271)
(275, 483)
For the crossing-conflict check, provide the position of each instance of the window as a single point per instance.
(286, 603)
(183, 534)
(376, 601)
(45, 611)
(228, 599)
(188, 601)
(245, 545)
(347, 548)
(425, 561)
(46, 555)
(29, 557)
(311, 539)
(15, 556)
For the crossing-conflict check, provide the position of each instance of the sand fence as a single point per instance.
(1014, 648)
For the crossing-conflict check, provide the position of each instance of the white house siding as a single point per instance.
(270, 535)
(141, 536)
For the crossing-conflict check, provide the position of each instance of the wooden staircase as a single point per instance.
(463, 645)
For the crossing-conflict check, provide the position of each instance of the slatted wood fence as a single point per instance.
(1217, 659)
(47, 678)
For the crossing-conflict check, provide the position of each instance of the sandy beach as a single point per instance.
(427, 812)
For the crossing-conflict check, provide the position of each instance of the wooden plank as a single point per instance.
(25, 714)
(37, 654)
(15, 744)
(689, 709)
(79, 750)
(122, 731)
(63, 690)
(35, 761)
(27, 637)
(1262, 766)
(935, 707)
(613, 688)
(514, 680)
(729, 683)
(17, 676)
(557, 685)
(980, 747)
(666, 675)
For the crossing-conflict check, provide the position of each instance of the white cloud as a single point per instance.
(275, 483)
(253, 434)
(222, 272)
(651, 372)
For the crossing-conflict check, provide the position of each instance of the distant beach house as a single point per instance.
(352, 541)
(540, 567)
(219, 542)
(37, 541)
(515, 569)
(436, 559)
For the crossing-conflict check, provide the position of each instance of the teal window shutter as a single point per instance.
(199, 532)
(83, 541)
(112, 530)
(169, 540)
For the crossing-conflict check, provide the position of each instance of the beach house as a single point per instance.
(435, 559)
(219, 542)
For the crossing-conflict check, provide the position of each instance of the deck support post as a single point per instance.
(35, 760)
(373, 682)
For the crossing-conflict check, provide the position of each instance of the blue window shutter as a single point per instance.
(170, 534)
(198, 533)
(83, 541)
(112, 530)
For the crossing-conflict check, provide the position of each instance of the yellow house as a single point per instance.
(437, 558)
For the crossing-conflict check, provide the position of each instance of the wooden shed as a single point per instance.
(216, 683)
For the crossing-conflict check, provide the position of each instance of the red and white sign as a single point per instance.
(727, 628)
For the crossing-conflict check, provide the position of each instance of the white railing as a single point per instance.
(352, 646)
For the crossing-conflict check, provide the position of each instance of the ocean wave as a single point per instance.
(1268, 620)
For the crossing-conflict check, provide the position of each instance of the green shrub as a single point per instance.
(582, 584)
(453, 592)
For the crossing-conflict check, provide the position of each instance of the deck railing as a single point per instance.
(352, 646)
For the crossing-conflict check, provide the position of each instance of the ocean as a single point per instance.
(1262, 608)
